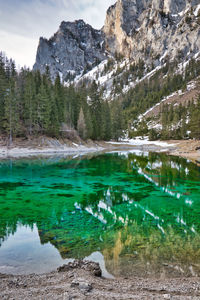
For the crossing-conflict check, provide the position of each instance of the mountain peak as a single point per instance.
(152, 30)
(77, 24)
(73, 49)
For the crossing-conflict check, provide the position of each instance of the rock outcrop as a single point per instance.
(74, 49)
(89, 266)
(153, 29)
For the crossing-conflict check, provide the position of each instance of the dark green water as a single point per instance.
(141, 212)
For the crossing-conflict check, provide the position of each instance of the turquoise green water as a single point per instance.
(140, 212)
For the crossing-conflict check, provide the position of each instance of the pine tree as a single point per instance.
(106, 127)
(95, 107)
(81, 126)
(89, 124)
(183, 127)
(29, 104)
(44, 109)
(11, 117)
(194, 123)
(117, 121)
(59, 98)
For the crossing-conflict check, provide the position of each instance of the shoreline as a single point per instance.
(80, 281)
(48, 147)
(188, 149)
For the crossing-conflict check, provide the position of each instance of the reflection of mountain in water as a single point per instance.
(125, 207)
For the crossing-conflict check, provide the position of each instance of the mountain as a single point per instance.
(146, 58)
(152, 30)
(137, 76)
(74, 49)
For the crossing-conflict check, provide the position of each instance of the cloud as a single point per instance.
(21, 49)
(22, 22)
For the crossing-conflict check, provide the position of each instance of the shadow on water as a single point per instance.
(141, 211)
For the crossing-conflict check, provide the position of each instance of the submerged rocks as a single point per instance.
(89, 266)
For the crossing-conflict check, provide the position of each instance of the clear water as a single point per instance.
(136, 213)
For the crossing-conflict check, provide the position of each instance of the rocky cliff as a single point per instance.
(152, 30)
(74, 49)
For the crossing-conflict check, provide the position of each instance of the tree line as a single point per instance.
(31, 105)
(181, 122)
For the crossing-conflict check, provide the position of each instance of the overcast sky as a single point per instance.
(22, 22)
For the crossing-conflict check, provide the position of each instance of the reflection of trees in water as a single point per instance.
(140, 254)
(88, 202)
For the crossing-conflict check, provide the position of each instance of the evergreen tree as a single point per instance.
(81, 126)
(43, 109)
(194, 124)
(95, 107)
(117, 121)
(11, 117)
(59, 98)
(106, 127)
(29, 104)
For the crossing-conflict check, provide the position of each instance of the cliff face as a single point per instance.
(153, 30)
(149, 29)
(74, 48)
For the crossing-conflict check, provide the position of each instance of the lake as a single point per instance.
(135, 213)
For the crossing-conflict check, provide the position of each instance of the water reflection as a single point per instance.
(137, 209)
(22, 253)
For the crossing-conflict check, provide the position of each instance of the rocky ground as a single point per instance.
(81, 281)
(189, 149)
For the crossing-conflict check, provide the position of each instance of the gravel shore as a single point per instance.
(79, 282)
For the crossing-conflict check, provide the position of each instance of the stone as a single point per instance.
(167, 296)
(82, 285)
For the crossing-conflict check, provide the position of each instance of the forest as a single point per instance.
(31, 105)
(178, 121)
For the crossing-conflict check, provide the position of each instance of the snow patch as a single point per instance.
(61, 76)
(163, 56)
(183, 12)
(148, 75)
(197, 10)
(140, 142)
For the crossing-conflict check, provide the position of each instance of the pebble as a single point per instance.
(167, 296)
(82, 285)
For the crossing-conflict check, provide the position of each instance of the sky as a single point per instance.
(22, 22)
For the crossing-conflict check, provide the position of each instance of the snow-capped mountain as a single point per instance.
(74, 49)
(154, 31)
